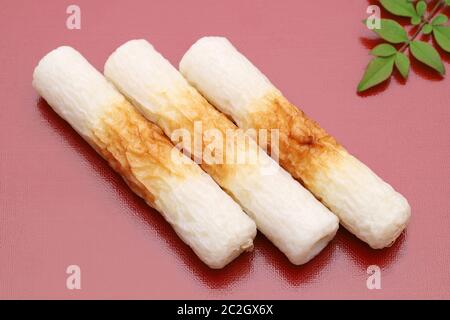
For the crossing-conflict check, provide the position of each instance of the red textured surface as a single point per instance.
(60, 203)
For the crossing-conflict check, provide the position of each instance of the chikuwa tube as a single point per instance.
(288, 214)
(202, 215)
(365, 204)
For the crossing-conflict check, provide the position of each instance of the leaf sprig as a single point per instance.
(386, 55)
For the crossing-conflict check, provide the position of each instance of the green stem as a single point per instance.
(437, 9)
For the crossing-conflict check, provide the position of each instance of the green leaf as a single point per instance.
(447, 2)
(383, 50)
(377, 71)
(427, 29)
(416, 20)
(439, 20)
(391, 31)
(421, 7)
(401, 8)
(402, 64)
(442, 36)
(428, 55)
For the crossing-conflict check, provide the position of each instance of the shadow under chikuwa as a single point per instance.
(237, 269)
(364, 256)
(292, 274)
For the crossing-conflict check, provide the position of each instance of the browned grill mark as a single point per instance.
(305, 148)
(137, 149)
(189, 107)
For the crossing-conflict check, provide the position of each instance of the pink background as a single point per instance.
(60, 204)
